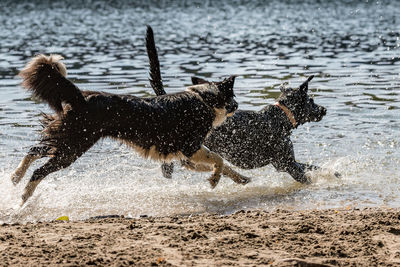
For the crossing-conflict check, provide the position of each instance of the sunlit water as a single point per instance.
(353, 49)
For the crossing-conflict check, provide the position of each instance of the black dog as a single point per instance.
(162, 128)
(252, 139)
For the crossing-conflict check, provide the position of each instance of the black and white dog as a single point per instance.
(252, 139)
(162, 128)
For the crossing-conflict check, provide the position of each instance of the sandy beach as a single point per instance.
(342, 237)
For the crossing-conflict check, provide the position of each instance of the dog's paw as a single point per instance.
(214, 180)
(246, 180)
(243, 180)
(337, 175)
(167, 170)
(24, 197)
(29, 189)
(16, 178)
(306, 179)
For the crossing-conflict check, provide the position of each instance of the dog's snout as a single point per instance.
(322, 110)
(232, 107)
(318, 113)
(235, 106)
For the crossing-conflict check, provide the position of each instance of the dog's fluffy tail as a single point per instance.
(155, 74)
(45, 76)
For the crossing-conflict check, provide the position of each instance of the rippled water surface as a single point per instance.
(352, 48)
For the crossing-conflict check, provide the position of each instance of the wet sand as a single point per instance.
(366, 237)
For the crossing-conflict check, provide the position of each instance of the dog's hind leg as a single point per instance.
(64, 157)
(23, 167)
(53, 164)
(34, 153)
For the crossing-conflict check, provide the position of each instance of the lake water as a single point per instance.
(352, 48)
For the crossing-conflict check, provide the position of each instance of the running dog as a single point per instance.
(252, 139)
(161, 128)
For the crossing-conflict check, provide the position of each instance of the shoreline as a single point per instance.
(333, 237)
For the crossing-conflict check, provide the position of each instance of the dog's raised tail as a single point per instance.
(45, 77)
(155, 73)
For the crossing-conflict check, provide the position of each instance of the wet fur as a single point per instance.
(253, 139)
(161, 128)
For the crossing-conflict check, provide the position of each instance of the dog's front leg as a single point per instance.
(205, 156)
(235, 176)
(227, 171)
(167, 169)
(298, 173)
(295, 170)
(285, 161)
(23, 167)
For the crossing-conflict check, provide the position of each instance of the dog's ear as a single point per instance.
(304, 86)
(226, 85)
(197, 80)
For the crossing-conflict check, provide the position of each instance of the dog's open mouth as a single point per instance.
(230, 114)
